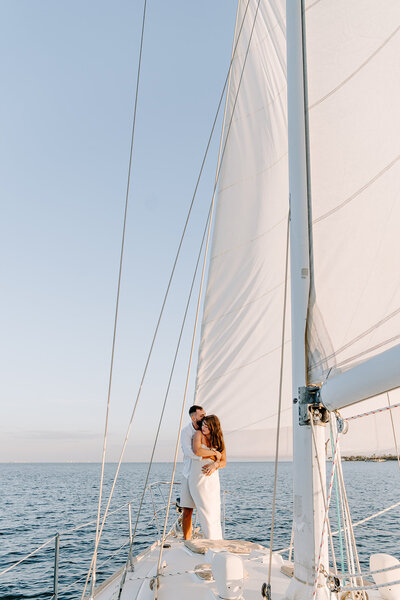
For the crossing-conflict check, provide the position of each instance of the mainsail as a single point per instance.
(354, 148)
(352, 51)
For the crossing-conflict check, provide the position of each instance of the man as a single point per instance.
(196, 414)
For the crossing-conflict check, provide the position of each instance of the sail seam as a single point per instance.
(358, 192)
(200, 385)
(251, 177)
(345, 81)
(284, 410)
(251, 241)
(237, 310)
(359, 337)
(312, 5)
(261, 42)
(360, 354)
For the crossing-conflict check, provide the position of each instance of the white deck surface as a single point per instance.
(178, 584)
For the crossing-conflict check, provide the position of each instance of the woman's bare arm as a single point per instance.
(222, 462)
(198, 450)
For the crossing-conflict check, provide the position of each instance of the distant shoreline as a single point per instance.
(234, 460)
(370, 458)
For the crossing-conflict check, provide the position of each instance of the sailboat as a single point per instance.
(308, 178)
(308, 151)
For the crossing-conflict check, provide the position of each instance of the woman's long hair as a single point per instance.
(216, 438)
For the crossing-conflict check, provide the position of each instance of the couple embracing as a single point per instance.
(203, 454)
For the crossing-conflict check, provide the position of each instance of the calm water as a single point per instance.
(39, 500)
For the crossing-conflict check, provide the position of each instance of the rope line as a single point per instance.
(373, 412)
(317, 570)
(349, 529)
(378, 514)
(394, 430)
(381, 512)
(97, 540)
(280, 400)
(370, 587)
(71, 585)
(218, 170)
(344, 513)
(338, 507)
(167, 391)
(170, 281)
(28, 555)
(77, 528)
(368, 573)
(322, 484)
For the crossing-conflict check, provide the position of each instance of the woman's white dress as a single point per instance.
(206, 493)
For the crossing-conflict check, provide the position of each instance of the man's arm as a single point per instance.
(218, 464)
(186, 444)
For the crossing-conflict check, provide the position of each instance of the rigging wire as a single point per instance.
(97, 539)
(337, 506)
(394, 430)
(349, 527)
(219, 164)
(344, 512)
(322, 488)
(187, 383)
(279, 402)
(165, 400)
(318, 566)
(377, 514)
(168, 289)
(28, 555)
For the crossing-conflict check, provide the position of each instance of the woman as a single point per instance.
(204, 478)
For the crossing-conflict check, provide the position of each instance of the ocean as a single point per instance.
(40, 500)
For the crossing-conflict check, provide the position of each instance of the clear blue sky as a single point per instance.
(68, 74)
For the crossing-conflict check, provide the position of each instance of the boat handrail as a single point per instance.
(149, 487)
(57, 536)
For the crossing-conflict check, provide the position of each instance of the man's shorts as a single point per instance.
(186, 497)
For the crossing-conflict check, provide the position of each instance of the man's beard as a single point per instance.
(199, 423)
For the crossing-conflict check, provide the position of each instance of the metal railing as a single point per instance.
(155, 490)
(57, 537)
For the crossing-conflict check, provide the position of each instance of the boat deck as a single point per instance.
(187, 572)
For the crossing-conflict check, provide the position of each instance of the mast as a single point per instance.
(308, 499)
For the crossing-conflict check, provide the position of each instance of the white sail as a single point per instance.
(354, 146)
(354, 123)
(239, 357)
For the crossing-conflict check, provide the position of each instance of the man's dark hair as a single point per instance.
(193, 409)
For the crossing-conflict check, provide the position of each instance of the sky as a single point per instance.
(68, 73)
